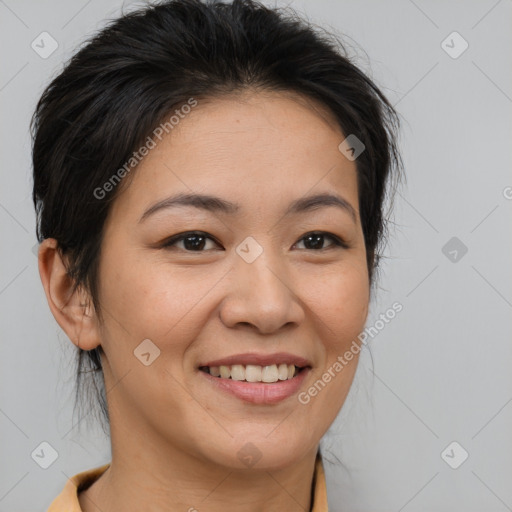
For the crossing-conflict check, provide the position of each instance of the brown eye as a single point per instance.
(315, 241)
(192, 242)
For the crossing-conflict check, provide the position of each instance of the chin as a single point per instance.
(261, 451)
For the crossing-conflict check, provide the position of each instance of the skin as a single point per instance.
(174, 437)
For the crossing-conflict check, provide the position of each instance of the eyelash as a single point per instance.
(337, 241)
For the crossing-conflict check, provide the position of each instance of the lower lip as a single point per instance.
(259, 392)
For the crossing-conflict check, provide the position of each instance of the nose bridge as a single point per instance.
(261, 266)
(261, 293)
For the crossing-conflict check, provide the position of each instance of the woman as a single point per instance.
(209, 183)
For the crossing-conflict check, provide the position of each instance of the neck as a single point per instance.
(170, 479)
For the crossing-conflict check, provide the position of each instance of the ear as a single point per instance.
(73, 310)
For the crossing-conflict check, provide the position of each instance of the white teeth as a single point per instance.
(269, 374)
(238, 372)
(283, 371)
(254, 373)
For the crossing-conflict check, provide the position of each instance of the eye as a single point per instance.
(197, 241)
(315, 240)
(193, 241)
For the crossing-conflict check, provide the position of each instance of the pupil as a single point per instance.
(316, 239)
(190, 245)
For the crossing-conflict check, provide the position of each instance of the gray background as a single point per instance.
(441, 369)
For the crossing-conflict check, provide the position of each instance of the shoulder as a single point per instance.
(67, 500)
(319, 490)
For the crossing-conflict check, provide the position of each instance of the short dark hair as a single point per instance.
(127, 78)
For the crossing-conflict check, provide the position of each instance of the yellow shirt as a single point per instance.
(67, 500)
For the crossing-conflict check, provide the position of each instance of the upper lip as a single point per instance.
(259, 360)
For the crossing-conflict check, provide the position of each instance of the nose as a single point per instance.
(261, 295)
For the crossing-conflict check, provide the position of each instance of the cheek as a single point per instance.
(348, 311)
(340, 308)
(340, 301)
(154, 301)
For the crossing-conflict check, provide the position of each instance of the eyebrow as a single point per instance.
(217, 204)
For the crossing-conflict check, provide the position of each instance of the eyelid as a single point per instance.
(337, 240)
(178, 237)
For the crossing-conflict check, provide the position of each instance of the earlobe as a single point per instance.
(72, 309)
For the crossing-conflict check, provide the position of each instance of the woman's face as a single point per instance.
(251, 284)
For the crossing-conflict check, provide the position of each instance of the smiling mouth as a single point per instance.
(254, 373)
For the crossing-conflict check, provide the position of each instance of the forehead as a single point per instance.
(253, 149)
